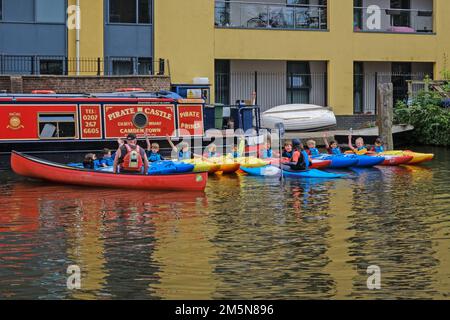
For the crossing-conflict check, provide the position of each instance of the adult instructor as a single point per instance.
(130, 158)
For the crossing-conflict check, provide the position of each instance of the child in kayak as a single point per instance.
(360, 148)
(312, 150)
(153, 154)
(300, 159)
(211, 151)
(287, 151)
(266, 151)
(182, 149)
(235, 152)
(107, 160)
(331, 147)
(378, 148)
(90, 162)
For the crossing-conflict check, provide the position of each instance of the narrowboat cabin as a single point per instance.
(44, 122)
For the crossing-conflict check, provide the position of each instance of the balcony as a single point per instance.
(258, 15)
(373, 19)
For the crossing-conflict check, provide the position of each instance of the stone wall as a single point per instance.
(357, 121)
(82, 84)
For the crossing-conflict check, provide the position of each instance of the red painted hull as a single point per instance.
(41, 169)
(393, 160)
(316, 164)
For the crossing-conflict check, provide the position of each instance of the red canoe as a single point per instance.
(42, 169)
(316, 164)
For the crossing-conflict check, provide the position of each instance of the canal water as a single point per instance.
(244, 238)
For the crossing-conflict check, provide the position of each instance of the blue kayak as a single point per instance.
(270, 171)
(156, 168)
(339, 161)
(366, 161)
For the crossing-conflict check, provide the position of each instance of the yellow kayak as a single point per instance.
(417, 157)
(203, 166)
(251, 162)
(226, 165)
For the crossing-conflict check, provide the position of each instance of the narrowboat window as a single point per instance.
(145, 66)
(50, 11)
(54, 67)
(60, 126)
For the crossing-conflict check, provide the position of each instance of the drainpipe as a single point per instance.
(77, 37)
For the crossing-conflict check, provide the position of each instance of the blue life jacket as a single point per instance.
(336, 151)
(306, 159)
(236, 154)
(267, 153)
(314, 152)
(212, 154)
(379, 149)
(361, 148)
(154, 157)
(287, 154)
(92, 165)
(109, 162)
(184, 155)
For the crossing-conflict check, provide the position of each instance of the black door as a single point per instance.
(401, 73)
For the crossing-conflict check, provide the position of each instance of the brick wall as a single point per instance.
(83, 84)
(357, 121)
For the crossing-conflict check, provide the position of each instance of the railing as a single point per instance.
(258, 15)
(365, 88)
(393, 20)
(271, 88)
(59, 65)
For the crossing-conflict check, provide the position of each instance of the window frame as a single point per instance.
(57, 113)
(290, 76)
(136, 23)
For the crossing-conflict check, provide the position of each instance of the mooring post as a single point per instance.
(385, 108)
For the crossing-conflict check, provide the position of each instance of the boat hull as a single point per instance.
(418, 158)
(41, 169)
(270, 171)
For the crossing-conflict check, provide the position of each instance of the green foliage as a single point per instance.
(430, 120)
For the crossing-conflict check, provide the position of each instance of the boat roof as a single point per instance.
(161, 96)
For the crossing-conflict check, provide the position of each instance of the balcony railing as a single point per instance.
(257, 15)
(393, 20)
(60, 65)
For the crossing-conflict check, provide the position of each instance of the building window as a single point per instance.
(358, 87)
(50, 11)
(130, 11)
(57, 126)
(122, 67)
(298, 82)
(53, 67)
(145, 66)
(1, 10)
(401, 17)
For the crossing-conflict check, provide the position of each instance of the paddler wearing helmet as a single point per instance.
(130, 157)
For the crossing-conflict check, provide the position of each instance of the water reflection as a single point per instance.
(244, 238)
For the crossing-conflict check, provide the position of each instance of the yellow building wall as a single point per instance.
(185, 34)
(91, 34)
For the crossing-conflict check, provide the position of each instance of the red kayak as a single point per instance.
(316, 163)
(393, 160)
(32, 167)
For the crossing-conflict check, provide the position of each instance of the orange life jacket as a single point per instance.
(132, 161)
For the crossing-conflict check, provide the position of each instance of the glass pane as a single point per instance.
(122, 11)
(145, 66)
(47, 130)
(144, 11)
(66, 129)
(1, 9)
(122, 67)
(54, 67)
(50, 11)
(57, 118)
